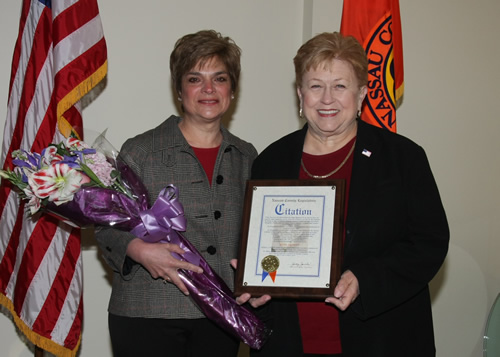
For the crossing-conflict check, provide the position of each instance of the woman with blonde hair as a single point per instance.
(396, 232)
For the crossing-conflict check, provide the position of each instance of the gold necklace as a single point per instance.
(334, 171)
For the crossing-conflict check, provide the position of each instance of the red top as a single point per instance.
(319, 322)
(207, 157)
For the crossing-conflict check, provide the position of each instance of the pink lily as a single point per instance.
(51, 156)
(59, 182)
(34, 203)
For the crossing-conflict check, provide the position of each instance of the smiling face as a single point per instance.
(330, 98)
(206, 91)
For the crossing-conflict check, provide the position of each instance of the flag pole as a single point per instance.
(38, 351)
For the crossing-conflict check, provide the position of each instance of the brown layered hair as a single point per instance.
(199, 48)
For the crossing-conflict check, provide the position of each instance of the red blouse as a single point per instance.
(319, 322)
(207, 158)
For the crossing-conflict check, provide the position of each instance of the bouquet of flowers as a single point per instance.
(85, 186)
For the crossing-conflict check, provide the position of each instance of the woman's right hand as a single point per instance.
(157, 258)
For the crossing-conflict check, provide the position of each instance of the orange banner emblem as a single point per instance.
(380, 99)
(376, 24)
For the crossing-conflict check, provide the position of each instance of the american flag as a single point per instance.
(59, 56)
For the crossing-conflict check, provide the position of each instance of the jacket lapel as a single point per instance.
(366, 155)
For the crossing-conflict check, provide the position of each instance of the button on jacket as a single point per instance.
(160, 157)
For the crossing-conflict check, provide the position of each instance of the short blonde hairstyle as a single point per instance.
(326, 47)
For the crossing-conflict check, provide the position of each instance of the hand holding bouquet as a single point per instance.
(85, 186)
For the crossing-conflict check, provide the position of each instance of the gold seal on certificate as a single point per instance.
(270, 263)
(291, 243)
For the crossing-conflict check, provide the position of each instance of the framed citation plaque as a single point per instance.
(291, 244)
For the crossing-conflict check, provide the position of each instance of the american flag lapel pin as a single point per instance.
(367, 153)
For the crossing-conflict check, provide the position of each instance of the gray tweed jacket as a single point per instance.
(162, 156)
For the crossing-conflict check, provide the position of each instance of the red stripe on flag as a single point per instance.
(82, 67)
(58, 316)
(9, 257)
(46, 129)
(33, 254)
(74, 117)
(5, 190)
(75, 331)
(54, 302)
(39, 52)
(73, 18)
(17, 48)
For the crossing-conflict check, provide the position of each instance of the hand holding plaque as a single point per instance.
(291, 238)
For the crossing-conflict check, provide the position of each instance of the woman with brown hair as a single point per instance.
(149, 312)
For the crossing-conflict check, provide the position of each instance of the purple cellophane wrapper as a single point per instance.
(105, 207)
(162, 222)
(215, 299)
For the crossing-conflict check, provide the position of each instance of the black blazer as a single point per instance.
(396, 240)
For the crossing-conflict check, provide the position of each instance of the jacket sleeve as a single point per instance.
(404, 235)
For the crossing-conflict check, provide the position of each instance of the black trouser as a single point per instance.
(137, 337)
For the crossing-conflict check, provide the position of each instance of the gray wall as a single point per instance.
(451, 52)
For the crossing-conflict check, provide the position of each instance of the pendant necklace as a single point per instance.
(332, 172)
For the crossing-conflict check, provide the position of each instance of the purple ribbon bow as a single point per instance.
(163, 221)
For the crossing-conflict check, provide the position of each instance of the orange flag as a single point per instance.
(376, 24)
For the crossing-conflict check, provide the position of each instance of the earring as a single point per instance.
(179, 99)
(358, 114)
(301, 116)
(232, 96)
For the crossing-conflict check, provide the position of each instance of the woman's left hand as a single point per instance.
(346, 291)
(246, 297)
